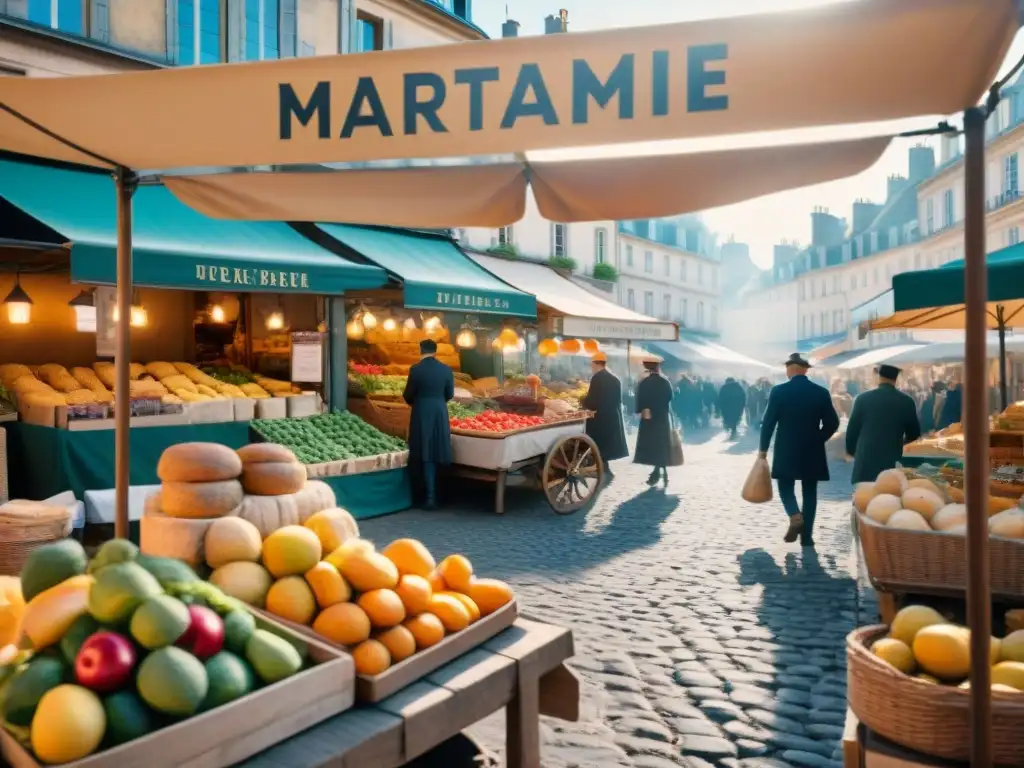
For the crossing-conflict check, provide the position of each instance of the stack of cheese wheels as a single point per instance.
(203, 482)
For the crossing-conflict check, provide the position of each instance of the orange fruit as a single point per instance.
(371, 657)
(415, 592)
(383, 606)
(410, 556)
(457, 572)
(292, 598)
(367, 571)
(452, 613)
(467, 602)
(343, 623)
(400, 642)
(436, 581)
(490, 594)
(328, 585)
(427, 629)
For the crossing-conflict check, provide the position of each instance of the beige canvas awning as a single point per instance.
(871, 60)
(495, 195)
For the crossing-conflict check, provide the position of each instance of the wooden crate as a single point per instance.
(379, 687)
(236, 731)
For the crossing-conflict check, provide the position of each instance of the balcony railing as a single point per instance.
(1001, 201)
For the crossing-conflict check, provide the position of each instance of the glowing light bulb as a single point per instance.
(389, 324)
(138, 317)
(369, 320)
(275, 321)
(410, 323)
(217, 313)
(19, 312)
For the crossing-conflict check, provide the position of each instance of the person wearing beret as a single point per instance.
(883, 421)
(801, 416)
(604, 398)
(428, 389)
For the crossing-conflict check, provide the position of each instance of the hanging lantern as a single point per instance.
(369, 320)
(432, 323)
(138, 317)
(217, 314)
(547, 348)
(571, 346)
(18, 303)
(410, 323)
(509, 338)
(591, 346)
(84, 305)
(389, 324)
(355, 330)
(465, 339)
(275, 321)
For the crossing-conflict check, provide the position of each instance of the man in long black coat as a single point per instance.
(429, 388)
(802, 413)
(654, 404)
(732, 399)
(604, 398)
(883, 421)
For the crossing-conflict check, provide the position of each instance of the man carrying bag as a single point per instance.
(803, 415)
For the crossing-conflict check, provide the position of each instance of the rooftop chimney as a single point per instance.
(510, 28)
(553, 25)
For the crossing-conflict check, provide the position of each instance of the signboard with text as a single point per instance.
(618, 330)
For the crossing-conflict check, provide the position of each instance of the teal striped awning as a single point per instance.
(174, 246)
(435, 274)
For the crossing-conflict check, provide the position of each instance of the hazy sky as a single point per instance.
(762, 222)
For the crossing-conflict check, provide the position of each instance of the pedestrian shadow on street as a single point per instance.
(806, 611)
(747, 442)
(699, 435)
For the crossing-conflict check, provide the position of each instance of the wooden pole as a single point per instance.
(125, 182)
(976, 437)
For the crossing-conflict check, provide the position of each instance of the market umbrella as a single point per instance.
(934, 299)
(843, 63)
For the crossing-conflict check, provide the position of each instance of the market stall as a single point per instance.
(228, 321)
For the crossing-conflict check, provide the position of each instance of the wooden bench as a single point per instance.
(521, 670)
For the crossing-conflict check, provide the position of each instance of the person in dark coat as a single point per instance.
(928, 416)
(428, 389)
(883, 421)
(951, 407)
(802, 414)
(654, 404)
(732, 399)
(709, 400)
(604, 398)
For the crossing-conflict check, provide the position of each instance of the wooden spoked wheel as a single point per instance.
(572, 474)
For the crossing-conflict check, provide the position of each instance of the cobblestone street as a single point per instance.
(702, 639)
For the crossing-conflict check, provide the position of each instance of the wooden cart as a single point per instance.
(560, 460)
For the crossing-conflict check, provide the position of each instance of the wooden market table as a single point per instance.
(863, 748)
(521, 670)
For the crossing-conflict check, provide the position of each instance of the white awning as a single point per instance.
(879, 355)
(708, 352)
(584, 315)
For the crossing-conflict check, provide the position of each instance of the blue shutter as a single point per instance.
(236, 30)
(389, 35)
(171, 18)
(99, 20)
(347, 27)
(289, 29)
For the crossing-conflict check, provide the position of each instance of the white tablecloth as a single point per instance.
(488, 453)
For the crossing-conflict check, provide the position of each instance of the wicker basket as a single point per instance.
(928, 718)
(930, 562)
(25, 529)
(390, 418)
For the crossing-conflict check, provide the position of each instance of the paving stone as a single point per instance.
(644, 728)
(692, 679)
(708, 747)
(775, 722)
(676, 707)
(796, 681)
(808, 759)
(750, 748)
(722, 711)
(633, 745)
(806, 670)
(741, 730)
(707, 693)
(825, 731)
(825, 716)
(693, 727)
(653, 761)
(800, 743)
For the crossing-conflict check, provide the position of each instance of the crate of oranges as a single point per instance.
(398, 612)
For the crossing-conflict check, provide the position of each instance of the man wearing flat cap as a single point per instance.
(801, 415)
(882, 422)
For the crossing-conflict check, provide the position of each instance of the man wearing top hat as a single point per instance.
(883, 421)
(604, 398)
(801, 416)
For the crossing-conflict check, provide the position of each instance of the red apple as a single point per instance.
(205, 634)
(105, 662)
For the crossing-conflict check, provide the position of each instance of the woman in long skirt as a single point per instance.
(654, 404)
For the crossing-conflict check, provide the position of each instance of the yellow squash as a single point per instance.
(49, 614)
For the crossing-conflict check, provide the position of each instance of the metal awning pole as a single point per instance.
(125, 182)
(976, 437)
(1001, 319)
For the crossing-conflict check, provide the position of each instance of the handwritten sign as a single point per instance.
(307, 357)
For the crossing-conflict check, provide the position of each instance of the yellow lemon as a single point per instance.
(896, 652)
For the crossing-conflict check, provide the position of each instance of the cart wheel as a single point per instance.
(572, 474)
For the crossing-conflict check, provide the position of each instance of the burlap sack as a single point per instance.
(758, 487)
